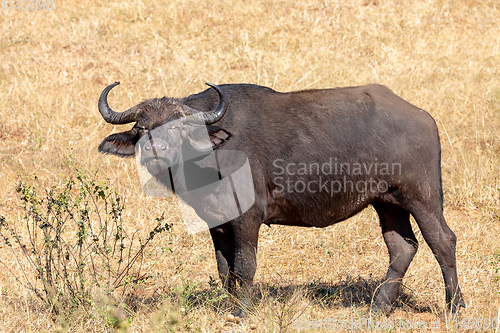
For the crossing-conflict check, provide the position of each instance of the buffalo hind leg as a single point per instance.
(442, 242)
(402, 246)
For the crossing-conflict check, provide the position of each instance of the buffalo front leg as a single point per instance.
(245, 262)
(223, 239)
(402, 246)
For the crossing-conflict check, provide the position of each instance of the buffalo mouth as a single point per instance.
(156, 165)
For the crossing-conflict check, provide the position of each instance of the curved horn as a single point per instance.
(213, 116)
(111, 116)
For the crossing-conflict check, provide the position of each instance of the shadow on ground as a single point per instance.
(348, 293)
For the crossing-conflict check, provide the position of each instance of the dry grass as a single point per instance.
(441, 55)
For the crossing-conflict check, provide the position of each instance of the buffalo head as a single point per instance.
(162, 128)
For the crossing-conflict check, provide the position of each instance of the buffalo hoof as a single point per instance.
(455, 307)
(379, 309)
(240, 313)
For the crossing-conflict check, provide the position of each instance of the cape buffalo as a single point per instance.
(317, 157)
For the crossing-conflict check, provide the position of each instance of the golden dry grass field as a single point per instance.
(441, 55)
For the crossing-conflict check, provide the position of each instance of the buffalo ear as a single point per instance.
(217, 136)
(120, 144)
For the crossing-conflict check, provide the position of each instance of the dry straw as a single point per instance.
(441, 55)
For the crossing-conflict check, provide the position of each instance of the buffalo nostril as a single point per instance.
(163, 147)
(147, 148)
